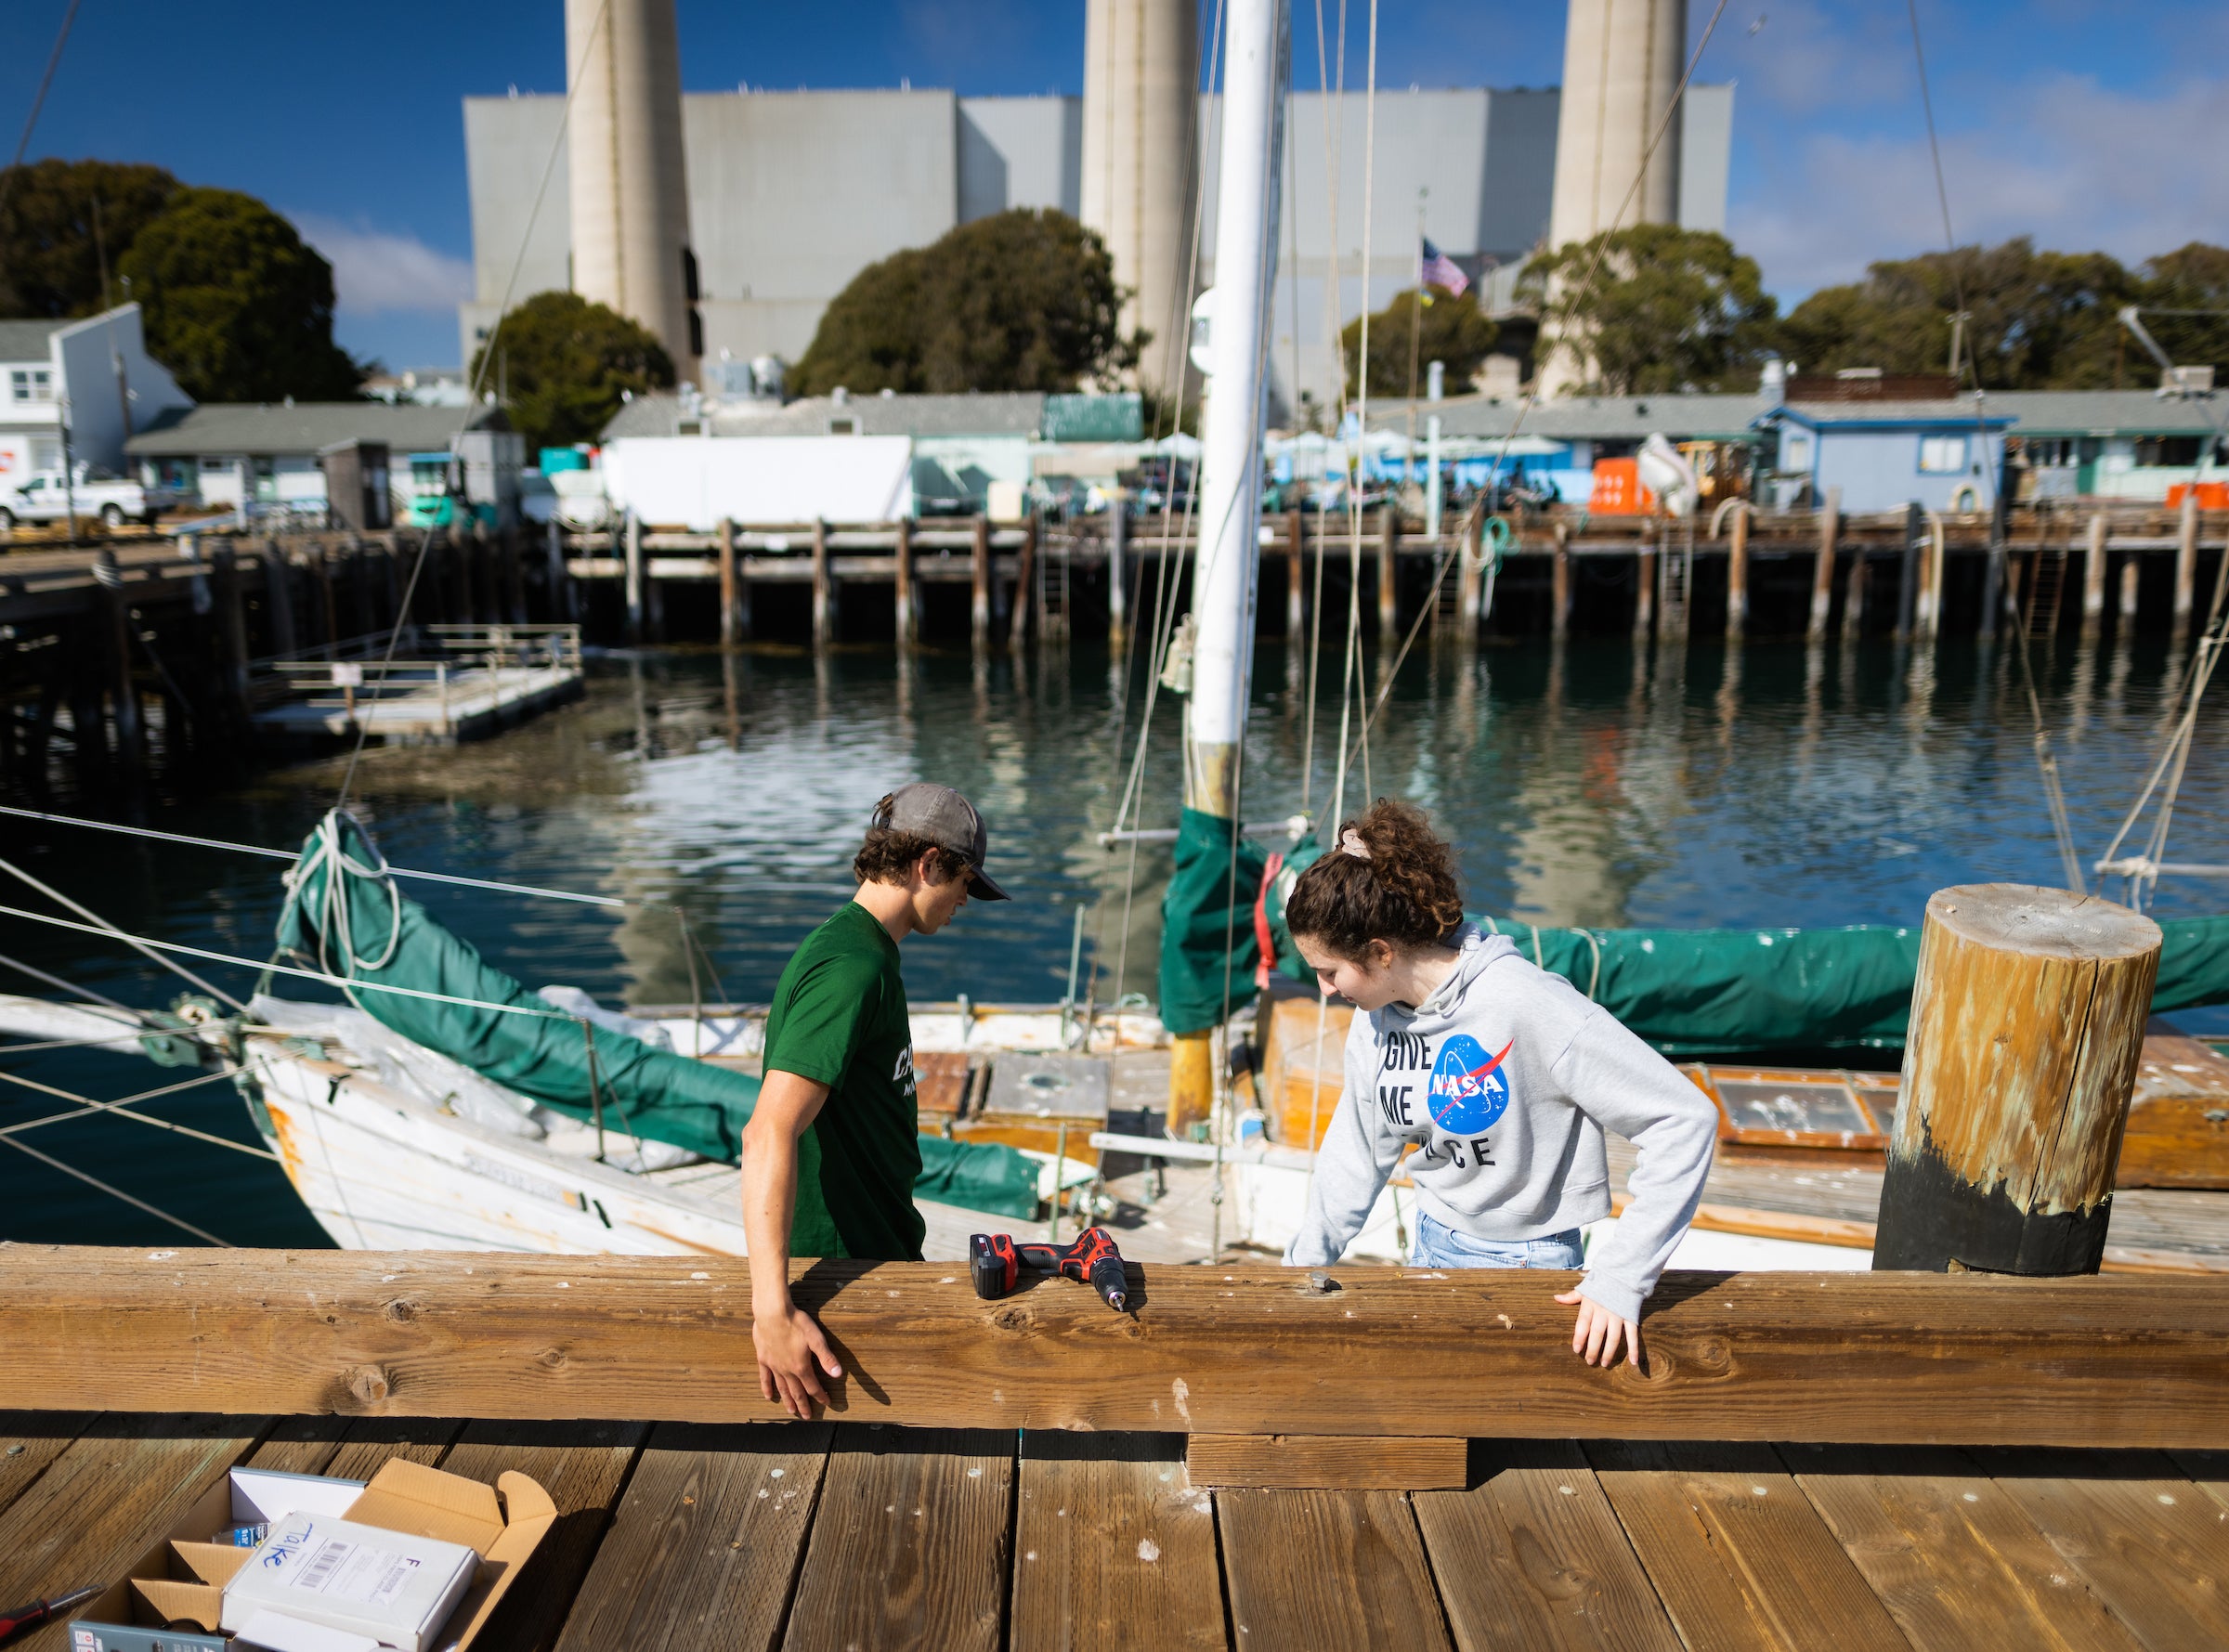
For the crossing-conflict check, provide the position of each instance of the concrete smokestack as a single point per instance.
(1141, 165)
(1622, 61)
(629, 183)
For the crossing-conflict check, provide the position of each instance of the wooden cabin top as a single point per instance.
(1408, 1459)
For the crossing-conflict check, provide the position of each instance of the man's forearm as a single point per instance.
(769, 1201)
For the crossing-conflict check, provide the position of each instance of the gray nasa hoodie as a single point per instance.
(1507, 1076)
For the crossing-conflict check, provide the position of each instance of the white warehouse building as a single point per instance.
(792, 193)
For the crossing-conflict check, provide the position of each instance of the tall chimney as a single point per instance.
(629, 183)
(1140, 166)
(1622, 62)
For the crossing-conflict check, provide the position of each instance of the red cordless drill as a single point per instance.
(1090, 1258)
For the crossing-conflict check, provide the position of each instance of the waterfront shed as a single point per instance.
(95, 371)
(2114, 444)
(1945, 455)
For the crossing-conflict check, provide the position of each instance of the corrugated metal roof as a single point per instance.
(1963, 411)
(1018, 413)
(306, 427)
(1587, 418)
(2109, 412)
(26, 341)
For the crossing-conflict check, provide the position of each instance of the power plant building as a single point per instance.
(791, 194)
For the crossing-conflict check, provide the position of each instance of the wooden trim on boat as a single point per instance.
(1887, 1359)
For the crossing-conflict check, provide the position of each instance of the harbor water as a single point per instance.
(1590, 783)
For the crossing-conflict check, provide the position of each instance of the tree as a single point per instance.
(1453, 330)
(1668, 309)
(237, 306)
(566, 364)
(2035, 320)
(1021, 300)
(62, 221)
(2190, 278)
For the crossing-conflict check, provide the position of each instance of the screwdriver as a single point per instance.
(43, 1611)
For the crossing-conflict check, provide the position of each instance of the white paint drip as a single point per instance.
(1148, 1550)
(1184, 1394)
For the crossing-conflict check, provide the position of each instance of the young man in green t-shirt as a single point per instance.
(831, 1151)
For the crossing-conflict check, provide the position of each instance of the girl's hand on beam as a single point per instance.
(1596, 1336)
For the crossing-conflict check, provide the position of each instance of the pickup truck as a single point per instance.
(114, 500)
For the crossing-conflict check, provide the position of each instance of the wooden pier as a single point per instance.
(1810, 1460)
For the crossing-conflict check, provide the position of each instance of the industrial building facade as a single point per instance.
(791, 194)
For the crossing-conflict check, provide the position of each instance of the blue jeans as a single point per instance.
(1438, 1245)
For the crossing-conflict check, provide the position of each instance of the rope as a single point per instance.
(116, 1193)
(88, 1107)
(105, 926)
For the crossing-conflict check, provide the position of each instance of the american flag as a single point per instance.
(1439, 270)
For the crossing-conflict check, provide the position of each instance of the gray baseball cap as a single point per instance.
(949, 821)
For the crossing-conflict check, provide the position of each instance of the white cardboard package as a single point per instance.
(274, 1632)
(393, 1586)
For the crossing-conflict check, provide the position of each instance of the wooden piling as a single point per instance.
(2026, 1028)
(824, 595)
(1822, 567)
(1470, 584)
(730, 631)
(2186, 559)
(1644, 597)
(979, 583)
(2094, 577)
(279, 599)
(907, 602)
(1295, 616)
(1559, 584)
(1853, 599)
(1388, 548)
(1118, 588)
(634, 579)
(2127, 595)
(1736, 575)
(1026, 571)
(1931, 587)
(1908, 570)
(124, 688)
(231, 636)
(321, 563)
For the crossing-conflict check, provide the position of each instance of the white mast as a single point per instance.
(1229, 553)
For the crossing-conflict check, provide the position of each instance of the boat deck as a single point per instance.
(679, 1537)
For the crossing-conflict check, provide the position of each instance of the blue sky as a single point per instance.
(2083, 124)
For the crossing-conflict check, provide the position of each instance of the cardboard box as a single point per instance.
(1303, 1067)
(395, 1587)
(182, 1578)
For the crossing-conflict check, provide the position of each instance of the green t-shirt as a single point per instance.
(838, 1017)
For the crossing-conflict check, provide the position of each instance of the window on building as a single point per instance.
(843, 425)
(1942, 455)
(2153, 450)
(1796, 450)
(31, 384)
(46, 454)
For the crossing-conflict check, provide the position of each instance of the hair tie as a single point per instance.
(1350, 842)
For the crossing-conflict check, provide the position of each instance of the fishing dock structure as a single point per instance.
(455, 683)
(1806, 1461)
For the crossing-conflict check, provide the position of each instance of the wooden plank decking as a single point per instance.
(801, 1535)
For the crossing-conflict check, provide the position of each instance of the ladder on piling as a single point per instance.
(1447, 596)
(2046, 590)
(1674, 571)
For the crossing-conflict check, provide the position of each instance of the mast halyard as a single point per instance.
(1226, 570)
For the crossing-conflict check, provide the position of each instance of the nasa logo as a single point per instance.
(1469, 1091)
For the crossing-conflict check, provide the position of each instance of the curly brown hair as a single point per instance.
(1405, 893)
(887, 855)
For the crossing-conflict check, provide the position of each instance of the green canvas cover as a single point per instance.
(1208, 924)
(1734, 991)
(344, 915)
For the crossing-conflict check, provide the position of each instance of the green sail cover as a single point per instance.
(1729, 992)
(1207, 945)
(366, 930)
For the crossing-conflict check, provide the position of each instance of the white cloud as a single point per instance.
(376, 272)
(2078, 166)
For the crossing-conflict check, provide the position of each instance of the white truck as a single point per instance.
(116, 500)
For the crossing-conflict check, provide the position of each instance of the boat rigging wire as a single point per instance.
(54, 59)
(116, 1193)
(132, 941)
(56, 982)
(88, 1107)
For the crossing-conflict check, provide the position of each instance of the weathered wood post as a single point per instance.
(908, 605)
(1025, 573)
(2094, 578)
(232, 635)
(634, 579)
(2128, 595)
(824, 596)
(124, 688)
(2027, 1027)
(1644, 576)
(1389, 547)
(1853, 598)
(2186, 559)
(1908, 570)
(1736, 575)
(728, 637)
(979, 583)
(1822, 568)
(279, 598)
(1118, 589)
(1470, 584)
(1559, 583)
